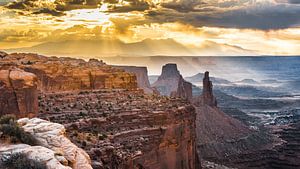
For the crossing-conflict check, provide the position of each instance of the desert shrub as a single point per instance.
(5, 119)
(10, 129)
(21, 161)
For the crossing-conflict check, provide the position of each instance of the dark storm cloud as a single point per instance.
(246, 14)
(265, 16)
(55, 8)
(132, 5)
(58, 7)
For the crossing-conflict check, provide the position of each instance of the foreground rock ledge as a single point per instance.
(54, 149)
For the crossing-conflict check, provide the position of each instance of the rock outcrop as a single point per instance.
(65, 74)
(219, 134)
(18, 92)
(54, 149)
(37, 153)
(207, 94)
(171, 83)
(141, 74)
(52, 136)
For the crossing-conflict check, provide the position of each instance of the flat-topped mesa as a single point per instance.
(141, 74)
(171, 83)
(169, 70)
(207, 94)
(67, 74)
(18, 93)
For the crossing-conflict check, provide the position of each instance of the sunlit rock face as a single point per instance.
(18, 92)
(141, 75)
(171, 83)
(64, 74)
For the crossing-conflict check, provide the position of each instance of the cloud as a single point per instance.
(53, 7)
(247, 14)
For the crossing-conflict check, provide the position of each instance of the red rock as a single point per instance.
(19, 93)
(171, 83)
(65, 74)
(142, 77)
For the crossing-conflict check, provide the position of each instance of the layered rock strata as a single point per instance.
(141, 74)
(65, 74)
(18, 92)
(171, 83)
(126, 129)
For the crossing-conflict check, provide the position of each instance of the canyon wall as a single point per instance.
(18, 92)
(127, 129)
(141, 74)
(63, 74)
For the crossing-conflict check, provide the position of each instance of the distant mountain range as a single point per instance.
(147, 47)
(198, 79)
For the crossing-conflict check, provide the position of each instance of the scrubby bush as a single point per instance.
(11, 130)
(21, 161)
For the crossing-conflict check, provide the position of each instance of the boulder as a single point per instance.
(37, 153)
(52, 136)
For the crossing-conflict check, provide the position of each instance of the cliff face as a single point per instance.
(141, 74)
(171, 83)
(63, 74)
(127, 129)
(18, 93)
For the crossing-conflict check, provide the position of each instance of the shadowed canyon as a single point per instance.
(66, 113)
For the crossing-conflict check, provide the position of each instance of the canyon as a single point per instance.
(88, 114)
(104, 112)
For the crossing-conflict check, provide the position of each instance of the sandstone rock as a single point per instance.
(207, 94)
(19, 93)
(171, 83)
(67, 74)
(219, 134)
(142, 77)
(37, 153)
(52, 136)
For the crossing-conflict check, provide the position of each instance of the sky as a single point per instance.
(173, 27)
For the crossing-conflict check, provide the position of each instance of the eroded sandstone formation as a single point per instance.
(171, 83)
(53, 136)
(106, 114)
(207, 93)
(65, 74)
(126, 129)
(18, 92)
(141, 75)
(54, 149)
(38, 153)
(219, 134)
